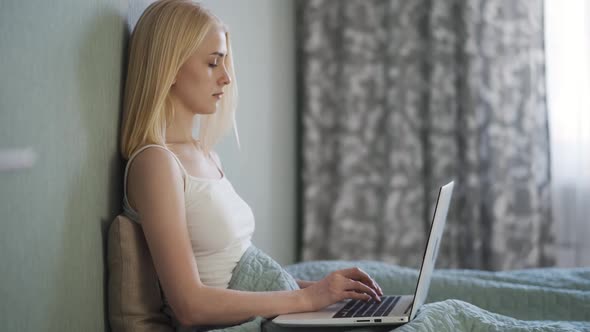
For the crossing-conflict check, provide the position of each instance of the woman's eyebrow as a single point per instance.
(219, 54)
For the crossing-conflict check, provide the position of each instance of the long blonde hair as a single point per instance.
(165, 36)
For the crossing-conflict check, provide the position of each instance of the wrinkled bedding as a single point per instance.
(459, 300)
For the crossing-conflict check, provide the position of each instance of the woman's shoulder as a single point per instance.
(154, 161)
(153, 172)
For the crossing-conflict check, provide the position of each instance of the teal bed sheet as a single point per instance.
(549, 299)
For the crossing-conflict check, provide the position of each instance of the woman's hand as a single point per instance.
(339, 285)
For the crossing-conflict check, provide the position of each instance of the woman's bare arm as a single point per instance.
(156, 192)
(226, 306)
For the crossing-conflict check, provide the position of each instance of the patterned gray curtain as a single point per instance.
(400, 96)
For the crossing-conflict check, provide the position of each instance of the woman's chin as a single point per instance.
(206, 112)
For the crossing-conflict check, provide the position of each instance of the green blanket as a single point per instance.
(458, 300)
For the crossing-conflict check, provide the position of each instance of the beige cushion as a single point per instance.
(134, 298)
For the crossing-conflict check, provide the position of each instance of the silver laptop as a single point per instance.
(393, 309)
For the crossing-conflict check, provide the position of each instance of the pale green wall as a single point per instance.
(60, 81)
(60, 92)
(264, 170)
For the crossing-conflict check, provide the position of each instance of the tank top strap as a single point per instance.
(126, 206)
(212, 157)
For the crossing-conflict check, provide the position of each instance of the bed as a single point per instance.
(549, 299)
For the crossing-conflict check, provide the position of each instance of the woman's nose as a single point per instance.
(225, 79)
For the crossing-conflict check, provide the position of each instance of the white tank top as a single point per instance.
(220, 224)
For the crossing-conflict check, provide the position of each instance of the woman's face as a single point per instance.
(200, 81)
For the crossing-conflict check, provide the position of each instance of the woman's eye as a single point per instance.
(212, 65)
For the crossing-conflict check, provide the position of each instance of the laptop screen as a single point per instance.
(436, 231)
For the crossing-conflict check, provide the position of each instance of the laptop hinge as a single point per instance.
(408, 308)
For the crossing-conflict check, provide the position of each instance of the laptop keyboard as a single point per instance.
(372, 308)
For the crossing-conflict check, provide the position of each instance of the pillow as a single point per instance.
(134, 297)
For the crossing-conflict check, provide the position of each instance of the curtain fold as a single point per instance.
(398, 97)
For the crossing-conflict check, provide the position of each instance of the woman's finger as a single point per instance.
(357, 296)
(361, 287)
(376, 286)
(373, 284)
(357, 273)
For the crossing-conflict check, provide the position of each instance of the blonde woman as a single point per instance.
(196, 226)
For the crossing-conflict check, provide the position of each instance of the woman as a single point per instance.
(196, 226)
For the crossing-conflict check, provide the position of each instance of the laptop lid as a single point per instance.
(436, 231)
(325, 317)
